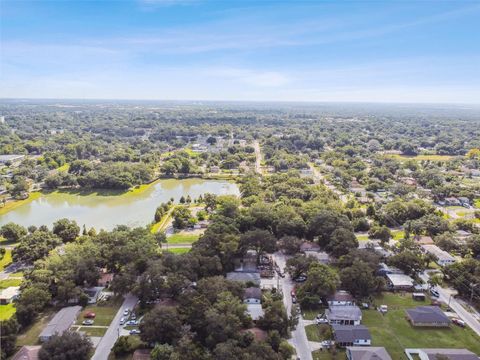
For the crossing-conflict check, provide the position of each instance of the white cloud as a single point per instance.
(256, 78)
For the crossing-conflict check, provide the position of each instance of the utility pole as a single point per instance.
(472, 287)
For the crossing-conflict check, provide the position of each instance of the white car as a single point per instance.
(122, 321)
(126, 312)
(319, 321)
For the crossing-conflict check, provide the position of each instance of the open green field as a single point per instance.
(6, 311)
(177, 251)
(7, 259)
(182, 238)
(421, 157)
(10, 282)
(104, 313)
(395, 333)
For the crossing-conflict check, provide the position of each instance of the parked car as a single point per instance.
(321, 320)
(122, 321)
(301, 278)
(294, 299)
(133, 316)
(132, 322)
(126, 312)
(89, 315)
(134, 332)
(87, 322)
(327, 343)
(459, 322)
(434, 292)
(383, 309)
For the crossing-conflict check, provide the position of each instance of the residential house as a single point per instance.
(348, 335)
(9, 294)
(60, 323)
(252, 295)
(309, 247)
(340, 298)
(367, 353)
(423, 240)
(344, 315)
(399, 282)
(245, 277)
(13, 158)
(27, 352)
(214, 169)
(384, 269)
(443, 257)
(440, 354)
(427, 316)
(452, 201)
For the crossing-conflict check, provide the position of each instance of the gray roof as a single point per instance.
(61, 321)
(400, 280)
(367, 353)
(350, 333)
(451, 354)
(244, 276)
(340, 295)
(427, 314)
(252, 293)
(348, 312)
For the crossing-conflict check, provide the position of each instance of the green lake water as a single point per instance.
(105, 211)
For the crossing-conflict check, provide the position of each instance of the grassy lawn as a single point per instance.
(318, 332)
(398, 234)
(327, 355)
(6, 311)
(178, 250)
(104, 313)
(362, 237)
(393, 331)
(421, 157)
(182, 238)
(30, 336)
(10, 282)
(310, 314)
(476, 203)
(7, 259)
(92, 331)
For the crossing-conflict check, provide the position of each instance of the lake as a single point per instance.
(104, 211)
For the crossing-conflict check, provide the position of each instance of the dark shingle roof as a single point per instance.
(427, 314)
(252, 293)
(350, 333)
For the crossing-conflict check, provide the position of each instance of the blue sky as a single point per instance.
(376, 51)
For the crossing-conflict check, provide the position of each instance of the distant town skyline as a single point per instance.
(315, 51)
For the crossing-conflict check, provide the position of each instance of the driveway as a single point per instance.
(108, 340)
(299, 337)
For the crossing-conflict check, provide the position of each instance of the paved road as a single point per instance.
(319, 178)
(299, 337)
(108, 340)
(258, 157)
(446, 295)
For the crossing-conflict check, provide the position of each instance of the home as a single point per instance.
(452, 201)
(344, 315)
(384, 269)
(105, 279)
(60, 323)
(427, 316)
(423, 240)
(443, 257)
(367, 353)
(418, 296)
(309, 247)
(399, 282)
(214, 169)
(93, 293)
(340, 298)
(9, 294)
(253, 277)
(437, 354)
(348, 335)
(27, 353)
(252, 295)
(12, 159)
